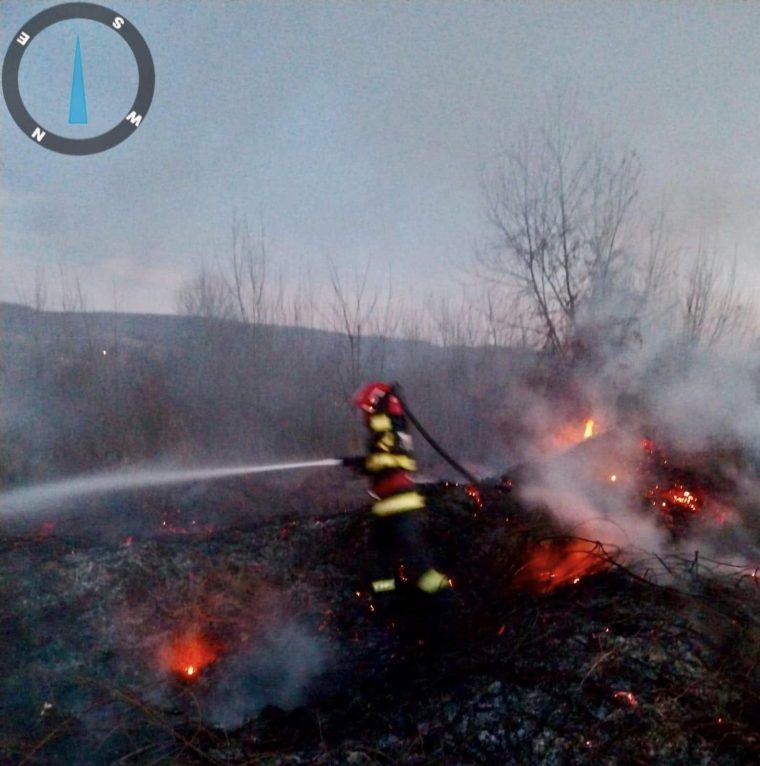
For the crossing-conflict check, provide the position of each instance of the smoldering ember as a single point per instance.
(605, 595)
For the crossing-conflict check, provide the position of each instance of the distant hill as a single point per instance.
(83, 389)
(20, 325)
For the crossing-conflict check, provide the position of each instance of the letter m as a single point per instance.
(134, 118)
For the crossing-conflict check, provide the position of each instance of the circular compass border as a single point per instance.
(145, 88)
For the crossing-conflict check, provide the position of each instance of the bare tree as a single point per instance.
(206, 295)
(301, 302)
(40, 295)
(557, 204)
(248, 277)
(76, 320)
(352, 309)
(72, 295)
(502, 318)
(711, 305)
(455, 323)
(37, 298)
(237, 288)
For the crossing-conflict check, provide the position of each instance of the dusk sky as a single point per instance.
(357, 130)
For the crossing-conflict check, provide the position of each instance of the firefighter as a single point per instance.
(402, 553)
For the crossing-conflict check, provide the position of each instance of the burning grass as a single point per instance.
(573, 432)
(188, 653)
(249, 646)
(553, 563)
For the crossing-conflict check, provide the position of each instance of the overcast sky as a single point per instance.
(357, 130)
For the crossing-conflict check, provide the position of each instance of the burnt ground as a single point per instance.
(654, 662)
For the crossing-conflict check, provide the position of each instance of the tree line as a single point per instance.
(569, 275)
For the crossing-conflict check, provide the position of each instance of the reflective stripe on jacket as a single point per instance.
(406, 501)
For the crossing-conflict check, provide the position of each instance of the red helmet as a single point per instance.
(368, 397)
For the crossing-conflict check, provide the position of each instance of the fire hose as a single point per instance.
(53, 493)
(396, 390)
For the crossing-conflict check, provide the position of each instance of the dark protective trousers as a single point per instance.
(399, 539)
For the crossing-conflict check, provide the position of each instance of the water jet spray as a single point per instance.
(44, 496)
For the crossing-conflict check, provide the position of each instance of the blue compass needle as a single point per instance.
(78, 102)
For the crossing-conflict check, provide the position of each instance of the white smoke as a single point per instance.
(702, 403)
(276, 670)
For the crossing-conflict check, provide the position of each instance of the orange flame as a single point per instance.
(572, 432)
(674, 499)
(473, 492)
(187, 654)
(683, 498)
(627, 697)
(559, 562)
